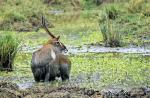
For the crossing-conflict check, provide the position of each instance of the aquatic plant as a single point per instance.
(9, 47)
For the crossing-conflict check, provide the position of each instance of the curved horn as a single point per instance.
(45, 27)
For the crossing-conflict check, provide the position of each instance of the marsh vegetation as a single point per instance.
(117, 24)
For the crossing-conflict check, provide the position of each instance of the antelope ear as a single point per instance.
(58, 37)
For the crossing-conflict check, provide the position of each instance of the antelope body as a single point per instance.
(49, 62)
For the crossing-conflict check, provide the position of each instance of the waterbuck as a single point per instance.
(49, 62)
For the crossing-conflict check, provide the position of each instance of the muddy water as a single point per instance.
(98, 49)
(101, 49)
(79, 80)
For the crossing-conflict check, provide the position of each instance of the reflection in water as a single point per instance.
(25, 85)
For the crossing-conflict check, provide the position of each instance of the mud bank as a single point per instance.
(11, 90)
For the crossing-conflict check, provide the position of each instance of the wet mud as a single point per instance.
(11, 90)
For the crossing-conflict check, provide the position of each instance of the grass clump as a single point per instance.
(109, 26)
(135, 6)
(9, 46)
(112, 11)
(88, 4)
(10, 19)
(111, 35)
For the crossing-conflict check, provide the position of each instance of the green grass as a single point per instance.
(135, 6)
(21, 15)
(83, 28)
(132, 26)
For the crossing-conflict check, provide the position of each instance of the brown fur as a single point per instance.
(45, 68)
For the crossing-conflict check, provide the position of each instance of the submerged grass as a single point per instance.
(114, 68)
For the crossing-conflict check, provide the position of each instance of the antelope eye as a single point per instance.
(57, 43)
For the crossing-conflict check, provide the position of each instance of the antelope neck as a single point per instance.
(54, 52)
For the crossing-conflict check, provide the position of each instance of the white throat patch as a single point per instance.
(53, 54)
